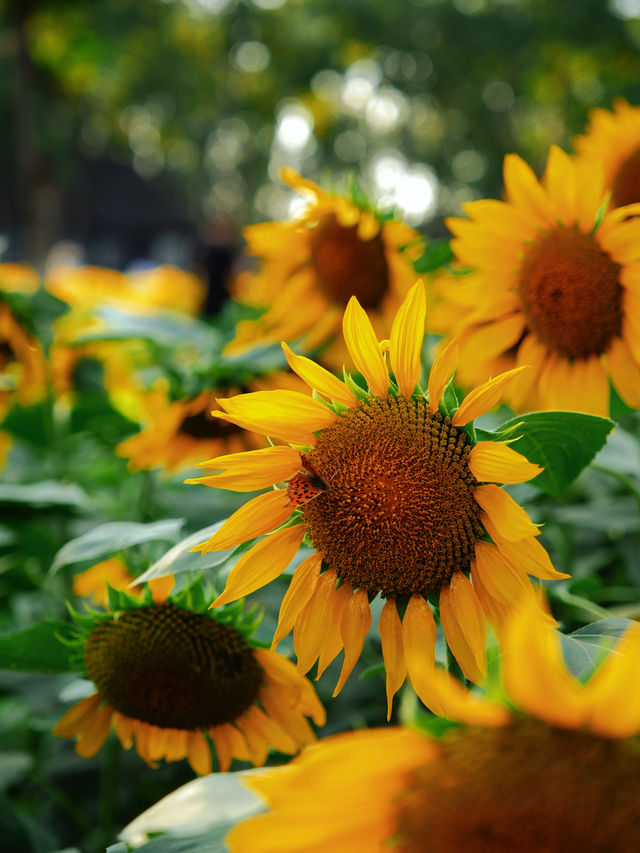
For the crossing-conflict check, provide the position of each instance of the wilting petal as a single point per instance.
(354, 627)
(301, 587)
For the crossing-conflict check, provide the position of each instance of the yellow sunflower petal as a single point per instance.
(560, 180)
(332, 645)
(407, 334)
(224, 751)
(484, 397)
(498, 577)
(419, 642)
(494, 462)
(613, 693)
(300, 590)
(255, 738)
(462, 705)
(177, 745)
(321, 380)
(161, 588)
(285, 415)
(199, 753)
(95, 733)
(543, 687)
(362, 344)
(497, 612)
(625, 373)
(257, 516)
(524, 191)
(507, 515)
(354, 627)
(260, 468)
(77, 717)
(392, 650)
(441, 371)
(262, 563)
(525, 555)
(465, 626)
(123, 727)
(309, 631)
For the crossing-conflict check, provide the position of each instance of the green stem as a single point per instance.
(108, 782)
(625, 481)
(68, 806)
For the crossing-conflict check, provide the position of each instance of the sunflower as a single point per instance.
(176, 434)
(555, 284)
(395, 496)
(22, 366)
(558, 770)
(173, 678)
(311, 266)
(612, 143)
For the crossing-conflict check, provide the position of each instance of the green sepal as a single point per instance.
(353, 386)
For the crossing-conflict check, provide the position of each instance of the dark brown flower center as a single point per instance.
(571, 293)
(172, 668)
(346, 265)
(203, 426)
(398, 514)
(524, 787)
(7, 355)
(626, 184)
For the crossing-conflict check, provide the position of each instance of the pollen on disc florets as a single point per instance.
(398, 515)
(172, 668)
(346, 265)
(571, 293)
(525, 786)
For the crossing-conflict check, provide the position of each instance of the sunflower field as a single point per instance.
(319, 426)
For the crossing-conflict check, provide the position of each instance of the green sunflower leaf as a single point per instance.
(41, 648)
(436, 255)
(562, 442)
(115, 536)
(586, 648)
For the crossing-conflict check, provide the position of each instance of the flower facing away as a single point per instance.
(558, 771)
(311, 266)
(555, 284)
(172, 679)
(176, 434)
(612, 142)
(396, 498)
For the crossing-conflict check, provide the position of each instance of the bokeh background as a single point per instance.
(151, 132)
(150, 129)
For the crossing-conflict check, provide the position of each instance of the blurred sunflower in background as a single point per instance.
(554, 766)
(18, 278)
(312, 265)
(93, 584)
(23, 373)
(555, 284)
(176, 434)
(396, 497)
(612, 143)
(172, 679)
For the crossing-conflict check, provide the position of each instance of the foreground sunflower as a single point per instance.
(612, 143)
(558, 771)
(311, 266)
(555, 284)
(172, 678)
(397, 499)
